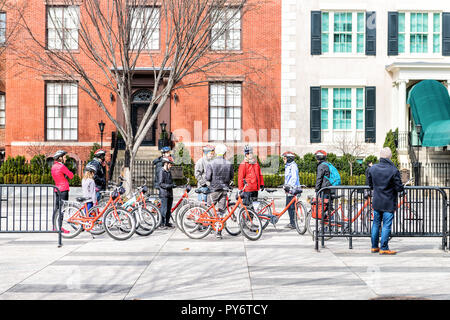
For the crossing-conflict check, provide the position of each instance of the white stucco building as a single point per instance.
(347, 68)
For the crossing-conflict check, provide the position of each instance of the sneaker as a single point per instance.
(290, 226)
(170, 226)
(64, 230)
(391, 252)
(375, 250)
(219, 235)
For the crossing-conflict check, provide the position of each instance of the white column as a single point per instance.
(402, 110)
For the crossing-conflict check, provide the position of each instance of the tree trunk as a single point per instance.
(128, 170)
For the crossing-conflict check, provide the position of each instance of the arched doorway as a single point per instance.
(139, 104)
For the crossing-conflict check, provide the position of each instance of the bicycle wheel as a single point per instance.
(155, 212)
(232, 225)
(70, 229)
(189, 221)
(300, 218)
(119, 224)
(250, 223)
(264, 210)
(311, 226)
(98, 228)
(180, 215)
(147, 221)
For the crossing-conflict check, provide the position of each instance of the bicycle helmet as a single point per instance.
(320, 155)
(165, 149)
(248, 149)
(58, 154)
(100, 153)
(90, 167)
(288, 154)
(221, 149)
(208, 148)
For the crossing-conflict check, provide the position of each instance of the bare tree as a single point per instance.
(349, 144)
(114, 36)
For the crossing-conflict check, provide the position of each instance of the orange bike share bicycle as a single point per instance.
(199, 220)
(117, 222)
(267, 211)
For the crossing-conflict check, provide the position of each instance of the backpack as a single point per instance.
(335, 177)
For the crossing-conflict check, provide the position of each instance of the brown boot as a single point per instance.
(375, 250)
(391, 252)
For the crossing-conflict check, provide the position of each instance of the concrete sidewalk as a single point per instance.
(168, 265)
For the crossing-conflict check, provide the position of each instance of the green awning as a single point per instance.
(430, 107)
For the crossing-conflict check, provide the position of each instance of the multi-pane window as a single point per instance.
(342, 109)
(225, 112)
(226, 31)
(62, 111)
(343, 32)
(145, 28)
(419, 33)
(2, 110)
(62, 27)
(2, 28)
(324, 115)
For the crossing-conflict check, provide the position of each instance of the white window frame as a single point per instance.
(63, 105)
(226, 32)
(154, 40)
(431, 34)
(61, 29)
(2, 110)
(236, 104)
(353, 129)
(3, 28)
(354, 34)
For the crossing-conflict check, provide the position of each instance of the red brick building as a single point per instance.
(44, 114)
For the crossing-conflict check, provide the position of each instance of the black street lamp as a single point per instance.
(163, 126)
(417, 166)
(101, 126)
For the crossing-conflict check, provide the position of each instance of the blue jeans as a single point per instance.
(385, 231)
(202, 196)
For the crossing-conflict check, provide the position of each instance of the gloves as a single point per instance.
(262, 188)
(367, 194)
(204, 185)
(402, 194)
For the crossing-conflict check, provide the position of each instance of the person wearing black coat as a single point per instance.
(385, 182)
(158, 164)
(166, 186)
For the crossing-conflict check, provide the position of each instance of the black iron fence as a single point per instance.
(347, 212)
(428, 174)
(29, 209)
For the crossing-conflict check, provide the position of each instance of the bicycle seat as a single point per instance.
(83, 199)
(333, 197)
(270, 190)
(203, 192)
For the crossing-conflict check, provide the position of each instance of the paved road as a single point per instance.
(168, 265)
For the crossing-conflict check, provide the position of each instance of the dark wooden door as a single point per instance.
(137, 113)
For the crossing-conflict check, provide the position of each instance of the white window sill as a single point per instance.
(420, 56)
(347, 56)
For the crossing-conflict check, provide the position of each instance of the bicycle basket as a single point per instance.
(115, 195)
(121, 190)
(316, 208)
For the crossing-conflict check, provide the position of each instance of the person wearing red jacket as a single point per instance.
(60, 173)
(250, 171)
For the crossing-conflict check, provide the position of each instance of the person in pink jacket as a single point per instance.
(60, 174)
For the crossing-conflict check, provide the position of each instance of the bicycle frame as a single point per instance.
(88, 222)
(206, 219)
(274, 211)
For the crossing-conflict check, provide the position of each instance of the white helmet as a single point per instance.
(221, 149)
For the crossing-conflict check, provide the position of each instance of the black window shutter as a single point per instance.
(370, 115)
(392, 33)
(371, 33)
(316, 121)
(446, 34)
(316, 32)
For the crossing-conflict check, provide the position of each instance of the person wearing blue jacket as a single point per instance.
(291, 178)
(385, 182)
